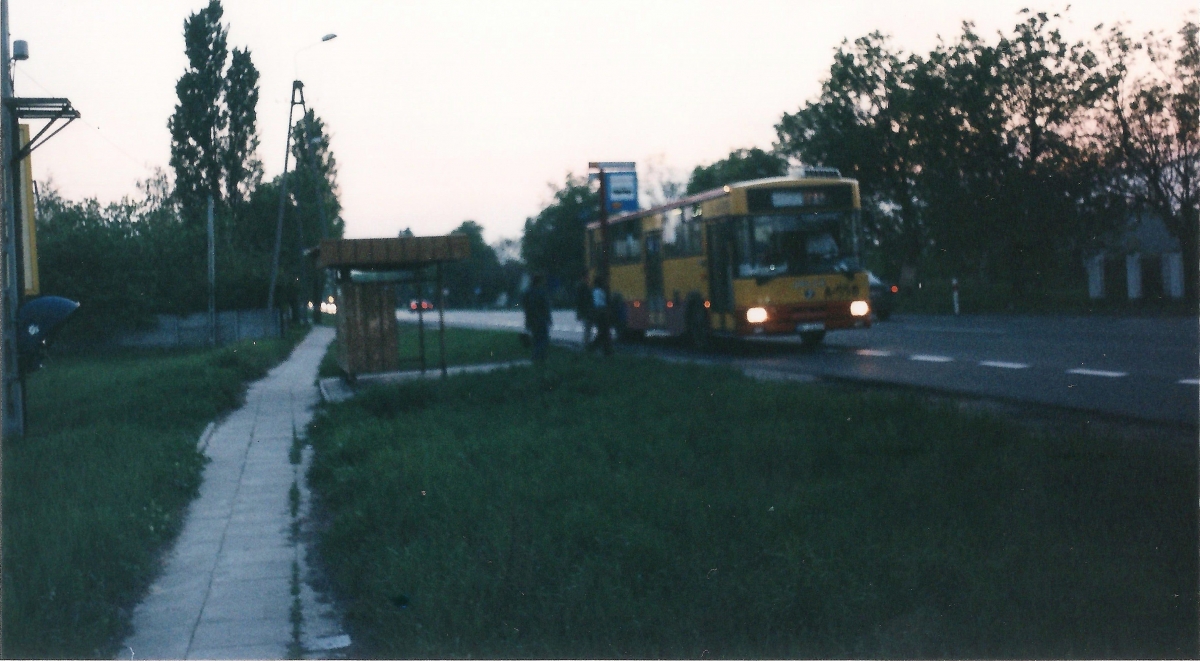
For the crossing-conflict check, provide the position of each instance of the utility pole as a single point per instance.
(297, 90)
(14, 395)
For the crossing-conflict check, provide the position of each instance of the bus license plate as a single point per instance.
(804, 328)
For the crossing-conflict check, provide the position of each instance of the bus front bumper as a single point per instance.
(793, 319)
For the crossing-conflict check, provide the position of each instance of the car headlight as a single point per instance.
(860, 308)
(756, 315)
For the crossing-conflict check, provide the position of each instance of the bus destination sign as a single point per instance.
(822, 197)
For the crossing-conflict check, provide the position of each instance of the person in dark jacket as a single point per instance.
(584, 311)
(536, 303)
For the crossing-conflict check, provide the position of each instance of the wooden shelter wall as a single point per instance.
(367, 340)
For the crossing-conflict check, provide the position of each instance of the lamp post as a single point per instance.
(297, 98)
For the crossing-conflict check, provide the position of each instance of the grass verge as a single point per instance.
(464, 346)
(631, 508)
(98, 485)
(978, 296)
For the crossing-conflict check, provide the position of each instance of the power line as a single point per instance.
(133, 159)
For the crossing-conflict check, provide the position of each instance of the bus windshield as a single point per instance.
(793, 245)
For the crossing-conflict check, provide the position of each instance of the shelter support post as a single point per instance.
(441, 306)
(421, 325)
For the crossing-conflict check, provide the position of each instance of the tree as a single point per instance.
(315, 179)
(243, 170)
(740, 165)
(1022, 151)
(658, 183)
(553, 240)
(861, 125)
(1152, 123)
(199, 116)
(476, 280)
(973, 157)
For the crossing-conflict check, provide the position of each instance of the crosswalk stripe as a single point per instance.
(925, 358)
(1004, 365)
(1104, 373)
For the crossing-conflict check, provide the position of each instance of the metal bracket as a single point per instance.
(52, 109)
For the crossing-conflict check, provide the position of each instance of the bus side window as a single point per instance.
(673, 236)
(626, 241)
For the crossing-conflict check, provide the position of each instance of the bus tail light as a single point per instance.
(860, 309)
(756, 315)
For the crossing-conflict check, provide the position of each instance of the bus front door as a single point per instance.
(656, 313)
(720, 269)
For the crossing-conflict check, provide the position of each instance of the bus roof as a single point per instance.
(718, 192)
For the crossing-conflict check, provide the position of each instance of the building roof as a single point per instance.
(399, 253)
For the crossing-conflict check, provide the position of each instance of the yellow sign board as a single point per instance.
(29, 218)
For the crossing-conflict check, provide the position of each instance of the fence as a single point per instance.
(194, 329)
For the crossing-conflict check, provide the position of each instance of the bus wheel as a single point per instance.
(698, 331)
(812, 338)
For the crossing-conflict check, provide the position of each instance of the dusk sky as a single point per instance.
(446, 111)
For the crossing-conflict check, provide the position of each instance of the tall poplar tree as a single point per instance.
(243, 170)
(199, 116)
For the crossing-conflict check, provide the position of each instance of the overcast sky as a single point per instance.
(445, 111)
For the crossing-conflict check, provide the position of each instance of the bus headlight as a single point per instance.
(756, 315)
(860, 308)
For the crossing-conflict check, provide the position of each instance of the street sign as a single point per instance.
(622, 192)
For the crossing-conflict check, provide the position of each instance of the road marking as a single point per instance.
(1104, 373)
(1190, 382)
(1003, 365)
(873, 352)
(925, 358)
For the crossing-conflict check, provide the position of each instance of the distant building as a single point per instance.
(1143, 262)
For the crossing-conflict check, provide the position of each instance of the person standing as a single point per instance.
(603, 317)
(536, 303)
(584, 311)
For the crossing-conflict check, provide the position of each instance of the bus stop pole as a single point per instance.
(604, 243)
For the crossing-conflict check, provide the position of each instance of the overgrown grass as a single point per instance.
(627, 508)
(98, 485)
(463, 347)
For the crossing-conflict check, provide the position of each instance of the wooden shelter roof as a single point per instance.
(399, 253)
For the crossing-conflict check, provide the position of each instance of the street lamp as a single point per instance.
(296, 56)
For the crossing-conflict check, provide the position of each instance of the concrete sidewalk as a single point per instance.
(237, 573)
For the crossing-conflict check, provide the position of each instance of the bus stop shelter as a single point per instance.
(368, 271)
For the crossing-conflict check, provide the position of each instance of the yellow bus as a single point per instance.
(776, 256)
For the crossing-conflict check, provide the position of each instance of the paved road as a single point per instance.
(1137, 367)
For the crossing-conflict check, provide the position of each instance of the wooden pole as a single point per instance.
(441, 306)
(421, 324)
